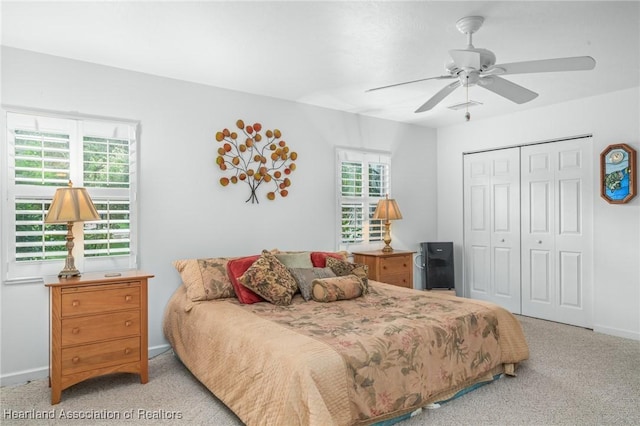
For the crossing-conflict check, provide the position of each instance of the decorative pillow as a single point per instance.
(305, 276)
(319, 258)
(336, 288)
(235, 269)
(269, 278)
(205, 279)
(295, 260)
(342, 267)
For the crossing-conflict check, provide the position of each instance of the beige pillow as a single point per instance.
(205, 279)
(295, 260)
(336, 288)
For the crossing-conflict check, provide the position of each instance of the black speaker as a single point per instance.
(437, 265)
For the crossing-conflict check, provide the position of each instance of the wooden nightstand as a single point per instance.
(98, 326)
(392, 268)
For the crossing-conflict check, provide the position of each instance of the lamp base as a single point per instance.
(69, 269)
(66, 273)
(387, 238)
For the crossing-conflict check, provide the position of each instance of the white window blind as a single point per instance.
(363, 179)
(33, 239)
(41, 157)
(45, 152)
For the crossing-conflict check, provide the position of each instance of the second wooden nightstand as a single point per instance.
(392, 268)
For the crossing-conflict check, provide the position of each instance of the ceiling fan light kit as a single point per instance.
(477, 67)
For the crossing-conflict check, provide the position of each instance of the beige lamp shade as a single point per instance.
(71, 205)
(387, 209)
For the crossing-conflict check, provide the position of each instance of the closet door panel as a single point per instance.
(502, 265)
(479, 274)
(570, 282)
(556, 221)
(539, 275)
(539, 208)
(492, 222)
(538, 226)
(569, 220)
(479, 209)
(477, 271)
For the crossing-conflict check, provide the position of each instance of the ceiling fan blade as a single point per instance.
(435, 99)
(466, 58)
(507, 89)
(577, 63)
(440, 77)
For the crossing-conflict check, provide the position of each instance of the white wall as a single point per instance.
(611, 118)
(184, 212)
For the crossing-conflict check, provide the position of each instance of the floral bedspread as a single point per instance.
(400, 348)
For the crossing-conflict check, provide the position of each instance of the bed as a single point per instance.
(359, 361)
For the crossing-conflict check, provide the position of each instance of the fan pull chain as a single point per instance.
(467, 115)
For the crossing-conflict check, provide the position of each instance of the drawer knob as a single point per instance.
(404, 265)
(75, 359)
(384, 267)
(127, 323)
(75, 330)
(75, 303)
(127, 351)
(127, 298)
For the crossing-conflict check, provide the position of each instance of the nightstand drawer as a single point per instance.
(99, 355)
(395, 264)
(401, 280)
(103, 300)
(100, 327)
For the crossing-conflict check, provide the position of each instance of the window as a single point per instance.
(45, 152)
(363, 179)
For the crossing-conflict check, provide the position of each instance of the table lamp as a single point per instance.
(387, 210)
(71, 205)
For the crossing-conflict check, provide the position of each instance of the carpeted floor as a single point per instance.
(573, 377)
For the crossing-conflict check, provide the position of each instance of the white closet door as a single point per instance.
(556, 231)
(492, 227)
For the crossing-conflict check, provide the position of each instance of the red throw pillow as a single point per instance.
(236, 268)
(319, 258)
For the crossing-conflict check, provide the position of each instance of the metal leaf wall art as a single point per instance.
(255, 160)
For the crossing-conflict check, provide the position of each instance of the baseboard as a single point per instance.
(157, 350)
(627, 334)
(26, 376)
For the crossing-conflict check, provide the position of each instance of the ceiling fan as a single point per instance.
(475, 66)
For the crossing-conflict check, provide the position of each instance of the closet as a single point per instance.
(527, 229)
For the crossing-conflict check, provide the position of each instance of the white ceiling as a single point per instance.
(328, 53)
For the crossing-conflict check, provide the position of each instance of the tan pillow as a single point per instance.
(269, 278)
(336, 288)
(205, 279)
(342, 267)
